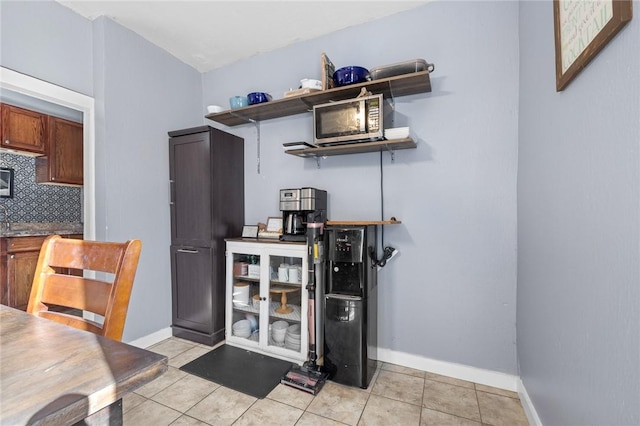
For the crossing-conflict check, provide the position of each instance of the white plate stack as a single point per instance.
(292, 338)
(242, 328)
(396, 133)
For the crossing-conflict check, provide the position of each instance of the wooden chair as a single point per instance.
(109, 299)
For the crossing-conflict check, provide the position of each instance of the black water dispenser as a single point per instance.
(350, 320)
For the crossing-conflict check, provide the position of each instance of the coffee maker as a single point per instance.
(301, 206)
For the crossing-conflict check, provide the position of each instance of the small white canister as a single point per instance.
(241, 294)
(283, 272)
(294, 274)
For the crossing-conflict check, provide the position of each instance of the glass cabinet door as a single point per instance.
(245, 300)
(287, 302)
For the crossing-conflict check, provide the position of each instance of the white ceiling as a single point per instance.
(211, 34)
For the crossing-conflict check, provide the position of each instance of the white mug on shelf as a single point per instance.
(294, 274)
(283, 273)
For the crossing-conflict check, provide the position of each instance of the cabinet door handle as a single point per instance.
(187, 251)
(170, 192)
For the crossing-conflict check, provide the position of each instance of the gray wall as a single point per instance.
(579, 229)
(451, 293)
(47, 41)
(141, 93)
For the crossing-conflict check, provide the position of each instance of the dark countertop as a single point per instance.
(32, 229)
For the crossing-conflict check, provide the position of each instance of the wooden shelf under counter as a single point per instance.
(354, 148)
(391, 221)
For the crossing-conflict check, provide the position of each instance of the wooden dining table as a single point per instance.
(53, 374)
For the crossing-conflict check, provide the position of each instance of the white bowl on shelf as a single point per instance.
(397, 133)
(280, 325)
(212, 109)
(309, 83)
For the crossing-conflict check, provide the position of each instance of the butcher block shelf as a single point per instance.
(354, 148)
(400, 85)
(391, 221)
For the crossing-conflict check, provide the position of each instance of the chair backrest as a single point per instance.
(56, 282)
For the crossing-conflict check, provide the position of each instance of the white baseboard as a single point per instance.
(529, 409)
(152, 339)
(458, 371)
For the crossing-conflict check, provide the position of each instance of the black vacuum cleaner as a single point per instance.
(310, 377)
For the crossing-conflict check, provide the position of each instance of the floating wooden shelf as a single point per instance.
(392, 221)
(354, 148)
(400, 85)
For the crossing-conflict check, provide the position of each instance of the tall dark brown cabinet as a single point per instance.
(207, 205)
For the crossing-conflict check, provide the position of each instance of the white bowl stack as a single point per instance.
(292, 338)
(278, 331)
(242, 328)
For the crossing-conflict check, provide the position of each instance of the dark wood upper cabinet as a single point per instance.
(63, 163)
(23, 130)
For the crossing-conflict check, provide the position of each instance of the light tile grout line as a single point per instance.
(475, 390)
(378, 370)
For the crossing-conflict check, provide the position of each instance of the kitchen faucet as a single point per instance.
(5, 225)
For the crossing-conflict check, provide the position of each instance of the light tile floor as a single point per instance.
(397, 396)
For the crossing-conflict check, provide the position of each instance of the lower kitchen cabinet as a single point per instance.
(18, 261)
(195, 297)
(267, 301)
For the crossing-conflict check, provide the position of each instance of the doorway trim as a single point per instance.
(40, 89)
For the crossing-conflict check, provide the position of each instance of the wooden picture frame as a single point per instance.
(6, 182)
(582, 29)
(272, 229)
(274, 224)
(250, 231)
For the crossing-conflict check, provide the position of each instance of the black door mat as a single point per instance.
(245, 371)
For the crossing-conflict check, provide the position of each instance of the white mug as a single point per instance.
(283, 273)
(294, 275)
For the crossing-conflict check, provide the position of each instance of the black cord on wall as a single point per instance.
(381, 199)
(387, 252)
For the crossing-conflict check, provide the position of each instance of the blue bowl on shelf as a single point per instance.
(350, 75)
(258, 97)
(238, 102)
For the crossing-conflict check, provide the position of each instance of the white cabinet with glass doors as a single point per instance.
(267, 301)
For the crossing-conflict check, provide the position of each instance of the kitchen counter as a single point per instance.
(30, 229)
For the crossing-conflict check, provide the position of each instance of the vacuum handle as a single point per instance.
(311, 324)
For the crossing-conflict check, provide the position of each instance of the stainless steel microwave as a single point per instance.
(352, 120)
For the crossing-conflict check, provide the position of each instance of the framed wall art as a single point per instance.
(250, 231)
(582, 29)
(6, 182)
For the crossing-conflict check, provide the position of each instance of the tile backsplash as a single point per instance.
(34, 202)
